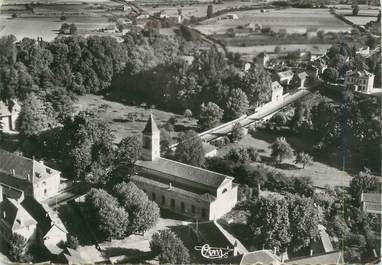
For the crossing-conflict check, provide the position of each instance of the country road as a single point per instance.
(258, 115)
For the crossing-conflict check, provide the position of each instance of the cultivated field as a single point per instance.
(116, 114)
(365, 14)
(293, 20)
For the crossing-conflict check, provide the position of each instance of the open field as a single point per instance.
(365, 14)
(293, 20)
(321, 174)
(116, 115)
(253, 50)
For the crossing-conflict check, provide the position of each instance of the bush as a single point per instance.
(72, 242)
(253, 154)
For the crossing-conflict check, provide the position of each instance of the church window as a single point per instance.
(224, 190)
(172, 203)
(163, 199)
(182, 207)
(153, 196)
(193, 209)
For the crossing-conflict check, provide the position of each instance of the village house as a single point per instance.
(14, 219)
(262, 59)
(285, 77)
(299, 80)
(28, 175)
(371, 202)
(9, 112)
(277, 91)
(188, 190)
(360, 81)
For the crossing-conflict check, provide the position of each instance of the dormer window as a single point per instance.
(225, 190)
(18, 221)
(48, 170)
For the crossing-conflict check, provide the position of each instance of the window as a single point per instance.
(172, 203)
(182, 207)
(163, 199)
(153, 196)
(224, 190)
(203, 212)
(193, 209)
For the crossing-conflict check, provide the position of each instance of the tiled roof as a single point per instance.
(180, 170)
(265, 257)
(151, 125)
(328, 258)
(372, 197)
(285, 74)
(302, 75)
(24, 168)
(204, 197)
(15, 215)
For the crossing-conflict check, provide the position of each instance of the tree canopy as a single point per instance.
(190, 149)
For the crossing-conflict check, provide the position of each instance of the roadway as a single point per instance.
(71, 193)
(260, 114)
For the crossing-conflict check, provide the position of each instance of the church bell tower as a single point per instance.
(150, 140)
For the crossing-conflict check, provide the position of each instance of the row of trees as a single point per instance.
(291, 222)
(125, 212)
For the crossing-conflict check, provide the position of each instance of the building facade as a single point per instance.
(277, 91)
(9, 112)
(360, 81)
(28, 175)
(187, 190)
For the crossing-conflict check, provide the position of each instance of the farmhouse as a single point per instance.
(9, 112)
(181, 188)
(28, 175)
(360, 81)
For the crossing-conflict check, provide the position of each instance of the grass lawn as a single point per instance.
(320, 173)
(116, 115)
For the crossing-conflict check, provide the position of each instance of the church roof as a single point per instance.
(180, 170)
(151, 125)
(23, 168)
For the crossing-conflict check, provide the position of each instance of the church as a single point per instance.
(191, 191)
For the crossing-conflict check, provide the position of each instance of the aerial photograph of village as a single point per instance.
(190, 132)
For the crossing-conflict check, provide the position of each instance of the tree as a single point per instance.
(281, 149)
(72, 242)
(330, 75)
(169, 248)
(256, 84)
(363, 182)
(237, 104)
(110, 218)
(304, 159)
(65, 28)
(143, 213)
(238, 155)
(210, 115)
(253, 154)
(129, 151)
(237, 132)
(73, 29)
(187, 113)
(269, 222)
(209, 11)
(35, 116)
(304, 220)
(355, 10)
(190, 149)
(18, 249)
(371, 42)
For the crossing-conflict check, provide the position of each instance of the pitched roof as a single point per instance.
(362, 73)
(335, 257)
(15, 214)
(302, 75)
(184, 171)
(285, 74)
(151, 125)
(265, 257)
(24, 168)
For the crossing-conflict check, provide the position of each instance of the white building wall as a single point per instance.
(46, 188)
(224, 203)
